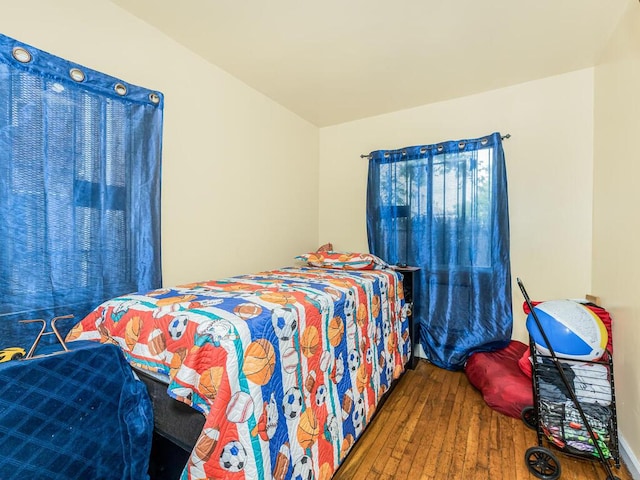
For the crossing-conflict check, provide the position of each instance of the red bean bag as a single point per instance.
(501, 382)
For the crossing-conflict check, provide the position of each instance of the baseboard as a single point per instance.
(629, 459)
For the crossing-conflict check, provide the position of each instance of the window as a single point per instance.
(461, 203)
(439, 198)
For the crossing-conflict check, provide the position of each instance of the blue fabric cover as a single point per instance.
(76, 415)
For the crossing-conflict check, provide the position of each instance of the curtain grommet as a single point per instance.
(77, 75)
(120, 89)
(21, 54)
(154, 97)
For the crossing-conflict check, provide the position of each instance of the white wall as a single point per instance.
(616, 253)
(239, 190)
(549, 164)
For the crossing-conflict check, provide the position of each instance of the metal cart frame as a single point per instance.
(541, 461)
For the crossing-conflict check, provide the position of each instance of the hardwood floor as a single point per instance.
(435, 425)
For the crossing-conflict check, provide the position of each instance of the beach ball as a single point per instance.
(573, 331)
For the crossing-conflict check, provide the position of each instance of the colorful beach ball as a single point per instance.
(574, 331)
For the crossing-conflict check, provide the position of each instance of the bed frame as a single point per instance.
(173, 420)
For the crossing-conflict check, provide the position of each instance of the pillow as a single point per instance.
(343, 260)
(327, 247)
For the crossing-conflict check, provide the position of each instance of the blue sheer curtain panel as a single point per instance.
(443, 208)
(79, 189)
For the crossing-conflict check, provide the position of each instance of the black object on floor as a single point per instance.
(167, 459)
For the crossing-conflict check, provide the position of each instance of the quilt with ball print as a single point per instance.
(288, 366)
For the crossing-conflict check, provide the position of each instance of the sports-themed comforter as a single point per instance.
(288, 366)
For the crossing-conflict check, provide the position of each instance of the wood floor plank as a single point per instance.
(521, 442)
(392, 450)
(453, 446)
(435, 425)
(406, 445)
(432, 427)
(389, 430)
(395, 409)
(474, 459)
(503, 455)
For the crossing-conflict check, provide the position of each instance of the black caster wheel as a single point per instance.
(542, 463)
(530, 417)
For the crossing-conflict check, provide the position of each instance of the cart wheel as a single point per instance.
(530, 417)
(542, 463)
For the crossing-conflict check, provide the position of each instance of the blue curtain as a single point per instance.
(443, 208)
(79, 189)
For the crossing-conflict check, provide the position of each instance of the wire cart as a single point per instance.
(574, 409)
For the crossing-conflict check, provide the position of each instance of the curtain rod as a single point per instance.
(503, 137)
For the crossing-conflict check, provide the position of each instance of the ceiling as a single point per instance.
(334, 61)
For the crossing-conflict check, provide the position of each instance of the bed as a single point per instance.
(287, 366)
